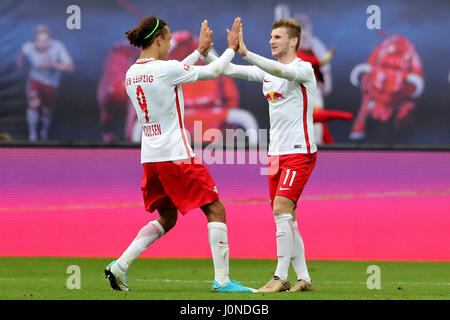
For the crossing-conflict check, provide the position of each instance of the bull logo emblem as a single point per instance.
(274, 96)
(391, 81)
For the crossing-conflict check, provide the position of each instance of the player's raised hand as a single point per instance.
(233, 35)
(242, 48)
(205, 39)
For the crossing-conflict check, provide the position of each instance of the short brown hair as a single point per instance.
(293, 27)
(137, 35)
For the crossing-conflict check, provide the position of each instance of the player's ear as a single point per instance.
(294, 42)
(159, 39)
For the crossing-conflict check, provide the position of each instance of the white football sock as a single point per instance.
(298, 256)
(146, 236)
(285, 243)
(218, 241)
(32, 120)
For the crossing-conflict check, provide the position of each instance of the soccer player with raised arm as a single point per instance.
(289, 85)
(174, 179)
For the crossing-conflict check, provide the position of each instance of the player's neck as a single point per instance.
(288, 57)
(150, 52)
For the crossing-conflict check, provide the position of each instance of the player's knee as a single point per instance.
(168, 223)
(279, 209)
(215, 212)
(34, 103)
(168, 219)
(282, 205)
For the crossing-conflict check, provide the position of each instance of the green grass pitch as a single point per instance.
(45, 278)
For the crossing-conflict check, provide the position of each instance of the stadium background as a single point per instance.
(364, 204)
(336, 23)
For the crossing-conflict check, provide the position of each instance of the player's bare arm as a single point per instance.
(328, 56)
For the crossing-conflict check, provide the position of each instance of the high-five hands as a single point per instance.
(205, 39)
(234, 38)
(242, 50)
(233, 35)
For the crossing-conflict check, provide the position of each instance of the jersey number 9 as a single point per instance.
(142, 102)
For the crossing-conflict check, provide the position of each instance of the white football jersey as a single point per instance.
(57, 52)
(154, 87)
(289, 90)
(291, 106)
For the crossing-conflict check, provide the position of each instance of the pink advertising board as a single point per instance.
(358, 205)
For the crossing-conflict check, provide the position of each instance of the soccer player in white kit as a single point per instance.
(48, 58)
(174, 179)
(289, 86)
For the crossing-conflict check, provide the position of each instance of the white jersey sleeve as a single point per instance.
(299, 71)
(249, 73)
(192, 58)
(63, 54)
(178, 72)
(214, 69)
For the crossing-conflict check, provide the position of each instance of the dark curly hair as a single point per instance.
(137, 35)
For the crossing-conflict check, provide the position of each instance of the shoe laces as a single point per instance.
(302, 283)
(272, 282)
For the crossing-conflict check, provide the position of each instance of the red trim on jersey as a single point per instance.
(180, 121)
(142, 62)
(305, 122)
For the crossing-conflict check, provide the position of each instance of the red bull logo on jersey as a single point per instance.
(274, 96)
